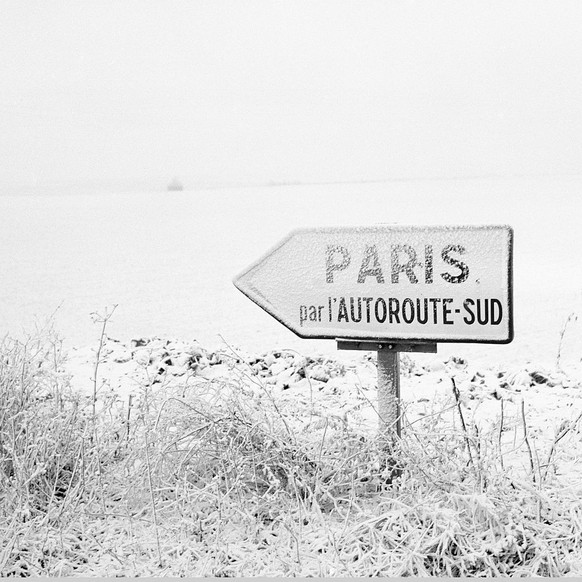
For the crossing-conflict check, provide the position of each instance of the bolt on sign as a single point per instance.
(403, 283)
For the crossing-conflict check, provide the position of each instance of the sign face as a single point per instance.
(412, 283)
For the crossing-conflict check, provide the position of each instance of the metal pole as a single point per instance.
(389, 394)
(388, 364)
(389, 408)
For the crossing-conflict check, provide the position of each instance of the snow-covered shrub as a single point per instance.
(234, 475)
(40, 421)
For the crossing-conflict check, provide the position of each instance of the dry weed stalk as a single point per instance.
(463, 425)
(570, 318)
(103, 320)
(527, 443)
(565, 428)
(211, 470)
(152, 497)
(501, 427)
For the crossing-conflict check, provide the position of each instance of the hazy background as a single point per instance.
(400, 111)
(132, 93)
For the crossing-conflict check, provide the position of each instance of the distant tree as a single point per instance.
(175, 185)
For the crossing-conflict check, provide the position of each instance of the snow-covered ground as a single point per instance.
(181, 328)
(493, 398)
(167, 259)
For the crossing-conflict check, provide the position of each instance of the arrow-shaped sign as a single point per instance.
(417, 283)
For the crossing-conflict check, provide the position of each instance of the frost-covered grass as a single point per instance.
(219, 478)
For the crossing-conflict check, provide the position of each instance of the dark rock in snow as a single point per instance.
(539, 378)
(138, 343)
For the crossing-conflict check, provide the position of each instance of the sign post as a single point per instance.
(389, 289)
(388, 386)
(389, 393)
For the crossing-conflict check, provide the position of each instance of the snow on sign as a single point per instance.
(412, 283)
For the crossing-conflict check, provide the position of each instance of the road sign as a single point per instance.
(407, 283)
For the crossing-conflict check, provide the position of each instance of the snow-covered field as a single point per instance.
(185, 350)
(167, 259)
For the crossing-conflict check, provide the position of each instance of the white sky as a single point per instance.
(284, 90)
